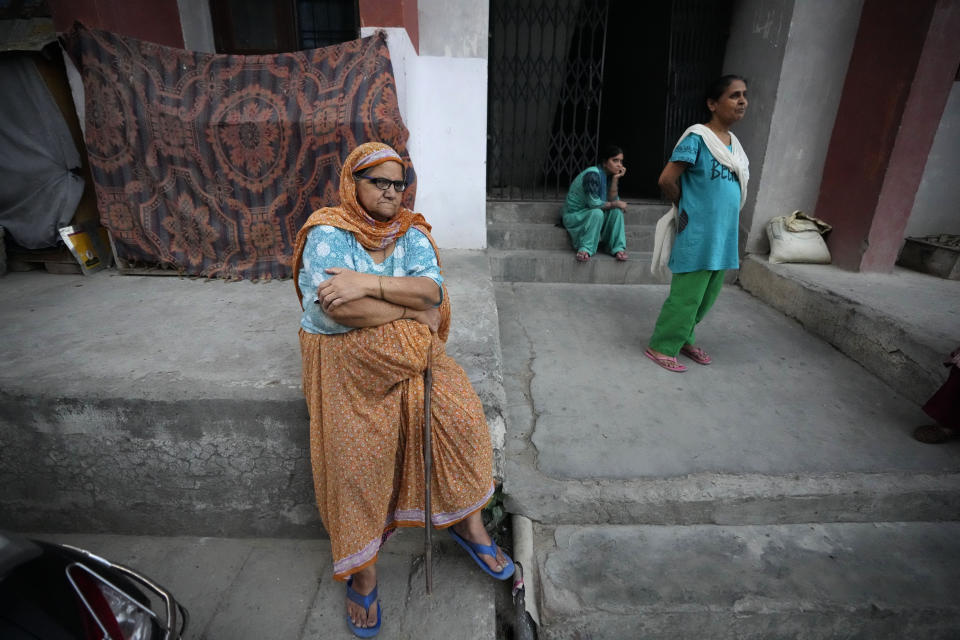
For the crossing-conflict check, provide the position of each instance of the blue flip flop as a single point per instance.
(475, 550)
(365, 602)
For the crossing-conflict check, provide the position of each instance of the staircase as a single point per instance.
(525, 245)
(774, 494)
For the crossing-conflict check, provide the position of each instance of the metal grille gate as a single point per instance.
(545, 81)
(698, 36)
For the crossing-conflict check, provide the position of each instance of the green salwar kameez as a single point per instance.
(590, 226)
(705, 245)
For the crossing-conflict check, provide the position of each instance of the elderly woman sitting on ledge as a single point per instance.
(375, 312)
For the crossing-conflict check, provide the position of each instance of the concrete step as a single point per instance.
(781, 428)
(170, 406)
(556, 265)
(257, 588)
(892, 324)
(540, 236)
(638, 212)
(807, 581)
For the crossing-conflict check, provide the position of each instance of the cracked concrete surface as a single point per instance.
(256, 588)
(776, 493)
(600, 434)
(211, 467)
(518, 380)
(863, 580)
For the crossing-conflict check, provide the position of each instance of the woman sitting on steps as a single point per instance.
(593, 211)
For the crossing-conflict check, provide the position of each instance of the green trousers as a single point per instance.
(590, 227)
(691, 296)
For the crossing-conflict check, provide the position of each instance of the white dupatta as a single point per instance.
(735, 160)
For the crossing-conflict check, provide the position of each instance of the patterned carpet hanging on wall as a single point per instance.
(209, 164)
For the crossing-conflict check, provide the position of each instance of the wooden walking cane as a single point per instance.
(427, 464)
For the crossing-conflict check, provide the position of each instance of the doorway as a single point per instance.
(567, 76)
(635, 91)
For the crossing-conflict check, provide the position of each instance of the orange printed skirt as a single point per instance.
(364, 390)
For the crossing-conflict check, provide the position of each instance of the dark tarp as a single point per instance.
(39, 189)
(209, 164)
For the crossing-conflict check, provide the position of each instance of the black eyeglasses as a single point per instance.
(384, 183)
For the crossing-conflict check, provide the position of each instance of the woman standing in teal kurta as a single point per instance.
(706, 178)
(593, 211)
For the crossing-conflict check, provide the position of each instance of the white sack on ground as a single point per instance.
(798, 238)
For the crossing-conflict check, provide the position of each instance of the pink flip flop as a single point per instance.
(696, 354)
(667, 362)
(621, 256)
(583, 256)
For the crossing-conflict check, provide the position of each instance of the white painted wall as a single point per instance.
(936, 208)
(449, 136)
(443, 100)
(197, 25)
(454, 28)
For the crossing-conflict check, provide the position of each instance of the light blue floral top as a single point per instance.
(327, 247)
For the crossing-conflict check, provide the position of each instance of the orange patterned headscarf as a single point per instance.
(351, 216)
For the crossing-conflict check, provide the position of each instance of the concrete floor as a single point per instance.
(604, 450)
(282, 588)
(776, 493)
(776, 399)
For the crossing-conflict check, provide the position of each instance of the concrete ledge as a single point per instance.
(475, 338)
(718, 498)
(524, 236)
(886, 336)
(887, 580)
(190, 467)
(639, 212)
(168, 406)
(560, 265)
